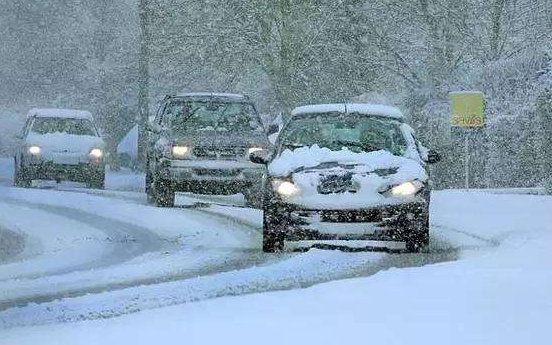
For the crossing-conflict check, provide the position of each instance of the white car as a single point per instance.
(60, 144)
(341, 172)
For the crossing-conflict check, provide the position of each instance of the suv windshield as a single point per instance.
(62, 125)
(210, 115)
(358, 133)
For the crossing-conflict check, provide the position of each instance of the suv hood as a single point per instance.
(345, 179)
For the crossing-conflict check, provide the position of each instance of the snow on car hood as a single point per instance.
(65, 143)
(345, 179)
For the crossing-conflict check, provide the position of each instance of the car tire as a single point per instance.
(20, 178)
(418, 239)
(97, 181)
(273, 229)
(163, 193)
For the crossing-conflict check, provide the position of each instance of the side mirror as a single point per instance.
(259, 157)
(153, 128)
(273, 128)
(433, 157)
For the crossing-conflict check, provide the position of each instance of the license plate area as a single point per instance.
(66, 159)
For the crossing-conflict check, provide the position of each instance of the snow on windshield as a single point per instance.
(45, 125)
(357, 133)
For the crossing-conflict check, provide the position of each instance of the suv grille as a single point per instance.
(219, 152)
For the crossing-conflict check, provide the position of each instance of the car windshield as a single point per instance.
(211, 115)
(358, 133)
(63, 125)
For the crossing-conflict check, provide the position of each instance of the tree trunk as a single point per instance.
(143, 80)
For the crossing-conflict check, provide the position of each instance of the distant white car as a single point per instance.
(60, 144)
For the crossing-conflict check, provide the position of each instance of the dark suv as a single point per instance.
(346, 172)
(200, 143)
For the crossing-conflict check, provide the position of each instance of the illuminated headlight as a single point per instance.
(96, 153)
(407, 189)
(285, 188)
(179, 152)
(254, 149)
(34, 150)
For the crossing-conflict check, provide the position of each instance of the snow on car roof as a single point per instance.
(360, 108)
(61, 113)
(211, 94)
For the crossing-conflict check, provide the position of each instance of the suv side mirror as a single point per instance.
(433, 157)
(153, 128)
(259, 157)
(273, 128)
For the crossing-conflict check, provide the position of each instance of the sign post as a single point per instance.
(467, 110)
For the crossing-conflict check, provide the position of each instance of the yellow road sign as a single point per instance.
(467, 109)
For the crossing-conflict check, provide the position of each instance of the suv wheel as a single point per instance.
(20, 178)
(253, 198)
(97, 181)
(273, 229)
(163, 193)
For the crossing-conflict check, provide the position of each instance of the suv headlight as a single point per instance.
(406, 189)
(96, 153)
(34, 150)
(180, 151)
(285, 188)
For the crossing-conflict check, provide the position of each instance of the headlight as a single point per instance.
(96, 153)
(254, 149)
(407, 188)
(34, 150)
(285, 188)
(179, 152)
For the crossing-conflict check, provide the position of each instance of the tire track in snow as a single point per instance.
(142, 241)
(129, 240)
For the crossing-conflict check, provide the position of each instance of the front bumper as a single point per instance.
(212, 175)
(383, 223)
(83, 172)
(211, 171)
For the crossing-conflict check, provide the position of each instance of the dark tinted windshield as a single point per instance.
(211, 115)
(358, 133)
(62, 125)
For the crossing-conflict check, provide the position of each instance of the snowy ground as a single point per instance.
(95, 267)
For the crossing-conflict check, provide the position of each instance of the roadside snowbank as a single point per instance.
(497, 296)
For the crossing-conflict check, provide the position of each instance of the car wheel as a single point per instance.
(97, 182)
(163, 193)
(20, 178)
(274, 227)
(418, 238)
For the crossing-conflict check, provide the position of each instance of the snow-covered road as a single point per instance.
(82, 255)
(79, 241)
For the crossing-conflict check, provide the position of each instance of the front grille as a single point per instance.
(336, 184)
(217, 172)
(219, 152)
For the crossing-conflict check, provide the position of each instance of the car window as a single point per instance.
(211, 116)
(62, 125)
(354, 132)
